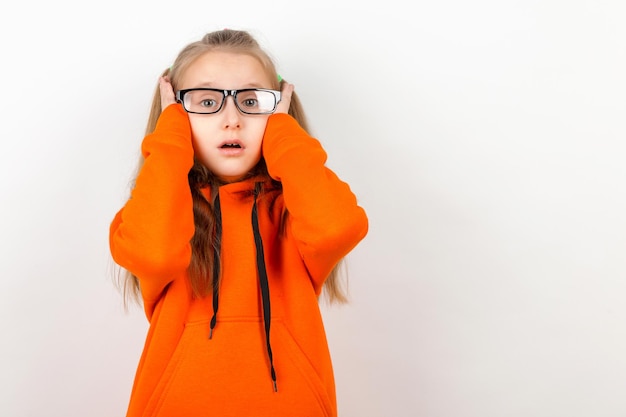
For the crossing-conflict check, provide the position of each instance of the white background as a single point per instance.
(485, 139)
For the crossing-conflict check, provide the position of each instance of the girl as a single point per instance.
(232, 229)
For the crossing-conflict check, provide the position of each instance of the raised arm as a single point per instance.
(150, 236)
(325, 219)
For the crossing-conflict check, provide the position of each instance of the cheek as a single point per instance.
(258, 129)
(198, 129)
(201, 133)
(200, 141)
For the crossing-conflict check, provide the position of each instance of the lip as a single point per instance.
(230, 151)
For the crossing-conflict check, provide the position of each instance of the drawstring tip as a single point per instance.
(210, 333)
(275, 386)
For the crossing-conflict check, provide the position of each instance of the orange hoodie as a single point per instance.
(262, 331)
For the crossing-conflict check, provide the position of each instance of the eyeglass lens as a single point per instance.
(248, 101)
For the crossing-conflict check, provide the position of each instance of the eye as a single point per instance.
(209, 102)
(250, 103)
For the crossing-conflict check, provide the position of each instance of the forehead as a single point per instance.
(225, 70)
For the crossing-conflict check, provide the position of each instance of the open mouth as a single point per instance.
(231, 146)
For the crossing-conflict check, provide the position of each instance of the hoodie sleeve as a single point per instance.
(150, 236)
(325, 219)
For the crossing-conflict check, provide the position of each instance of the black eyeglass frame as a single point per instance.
(180, 94)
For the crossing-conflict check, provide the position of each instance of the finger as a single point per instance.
(285, 98)
(167, 92)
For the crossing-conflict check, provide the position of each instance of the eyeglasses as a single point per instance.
(211, 100)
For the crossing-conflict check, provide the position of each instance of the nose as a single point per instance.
(231, 114)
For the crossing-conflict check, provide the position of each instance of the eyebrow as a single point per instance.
(211, 85)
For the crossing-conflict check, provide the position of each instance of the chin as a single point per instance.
(232, 177)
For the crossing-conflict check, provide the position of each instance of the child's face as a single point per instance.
(228, 143)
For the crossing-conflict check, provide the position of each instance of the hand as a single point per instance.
(285, 100)
(167, 92)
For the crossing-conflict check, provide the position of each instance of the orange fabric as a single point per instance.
(181, 371)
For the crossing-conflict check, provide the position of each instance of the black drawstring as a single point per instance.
(216, 261)
(263, 281)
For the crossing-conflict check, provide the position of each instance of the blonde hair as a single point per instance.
(204, 239)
